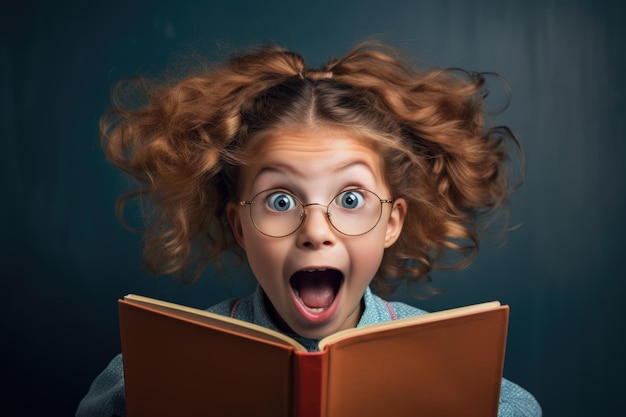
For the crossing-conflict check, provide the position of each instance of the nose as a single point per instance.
(316, 230)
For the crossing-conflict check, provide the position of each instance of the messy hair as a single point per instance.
(186, 141)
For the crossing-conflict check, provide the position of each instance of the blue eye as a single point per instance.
(281, 201)
(350, 199)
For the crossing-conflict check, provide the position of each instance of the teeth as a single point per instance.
(315, 270)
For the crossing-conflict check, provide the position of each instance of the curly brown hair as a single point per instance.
(187, 140)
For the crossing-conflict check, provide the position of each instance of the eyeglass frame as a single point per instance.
(303, 214)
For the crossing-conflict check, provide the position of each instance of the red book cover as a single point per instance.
(184, 362)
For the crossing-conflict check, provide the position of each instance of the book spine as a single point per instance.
(311, 382)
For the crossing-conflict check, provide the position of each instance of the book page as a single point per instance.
(425, 318)
(225, 323)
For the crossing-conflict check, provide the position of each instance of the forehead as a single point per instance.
(312, 149)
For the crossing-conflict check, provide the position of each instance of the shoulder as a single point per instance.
(223, 308)
(378, 310)
(248, 308)
(233, 307)
(516, 401)
(404, 311)
(106, 394)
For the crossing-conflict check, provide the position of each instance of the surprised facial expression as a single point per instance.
(313, 274)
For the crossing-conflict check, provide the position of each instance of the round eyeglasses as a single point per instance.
(279, 213)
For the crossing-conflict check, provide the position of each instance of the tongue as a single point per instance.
(316, 289)
(316, 295)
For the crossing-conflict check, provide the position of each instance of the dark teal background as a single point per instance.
(66, 260)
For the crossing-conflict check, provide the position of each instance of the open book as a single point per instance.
(180, 361)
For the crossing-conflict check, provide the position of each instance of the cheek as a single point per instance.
(265, 256)
(367, 254)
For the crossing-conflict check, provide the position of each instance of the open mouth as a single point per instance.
(316, 289)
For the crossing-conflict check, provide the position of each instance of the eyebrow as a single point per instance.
(281, 167)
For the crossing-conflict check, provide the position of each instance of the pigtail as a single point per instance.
(451, 166)
(174, 139)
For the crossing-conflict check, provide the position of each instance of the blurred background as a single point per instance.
(66, 260)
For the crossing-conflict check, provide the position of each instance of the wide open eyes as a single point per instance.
(278, 213)
(281, 201)
(351, 199)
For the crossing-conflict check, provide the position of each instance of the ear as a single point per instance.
(232, 212)
(395, 222)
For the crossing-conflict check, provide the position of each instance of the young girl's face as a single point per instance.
(316, 276)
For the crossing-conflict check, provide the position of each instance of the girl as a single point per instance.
(360, 175)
